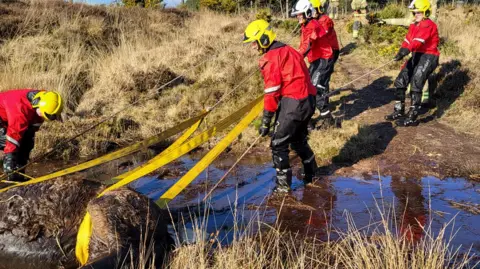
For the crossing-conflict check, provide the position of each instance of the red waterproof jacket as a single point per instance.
(422, 37)
(327, 24)
(285, 74)
(17, 115)
(314, 37)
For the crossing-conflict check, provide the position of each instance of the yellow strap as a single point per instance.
(85, 230)
(114, 155)
(86, 227)
(161, 160)
(83, 239)
(175, 145)
(210, 156)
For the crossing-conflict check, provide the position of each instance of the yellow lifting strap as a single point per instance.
(86, 227)
(116, 154)
(81, 249)
(83, 239)
(181, 184)
(175, 145)
(161, 160)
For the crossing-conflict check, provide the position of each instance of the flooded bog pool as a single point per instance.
(245, 197)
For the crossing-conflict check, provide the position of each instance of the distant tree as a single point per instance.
(143, 3)
(191, 4)
(228, 6)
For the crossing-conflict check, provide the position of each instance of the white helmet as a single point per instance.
(303, 6)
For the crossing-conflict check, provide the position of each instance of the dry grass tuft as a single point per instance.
(349, 144)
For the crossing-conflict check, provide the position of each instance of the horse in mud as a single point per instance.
(39, 225)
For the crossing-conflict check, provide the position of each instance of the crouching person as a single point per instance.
(422, 41)
(21, 114)
(290, 97)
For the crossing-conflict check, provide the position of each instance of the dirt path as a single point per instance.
(430, 148)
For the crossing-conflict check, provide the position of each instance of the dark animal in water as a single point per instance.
(39, 225)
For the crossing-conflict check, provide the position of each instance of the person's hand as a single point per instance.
(266, 121)
(401, 54)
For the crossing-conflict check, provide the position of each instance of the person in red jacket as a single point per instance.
(319, 9)
(314, 45)
(21, 114)
(422, 41)
(290, 97)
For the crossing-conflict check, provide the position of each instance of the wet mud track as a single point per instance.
(431, 148)
(244, 199)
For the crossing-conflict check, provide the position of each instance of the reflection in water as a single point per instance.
(244, 197)
(411, 207)
(309, 213)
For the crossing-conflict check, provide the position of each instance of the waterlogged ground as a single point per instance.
(245, 198)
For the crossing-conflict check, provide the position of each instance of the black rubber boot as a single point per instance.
(283, 180)
(309, 170)
(311, 125)
(412, 115)
(398, 111)
(414, 111)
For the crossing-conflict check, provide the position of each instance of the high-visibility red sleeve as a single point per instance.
(272, 78)
(308, 34)
(17, 125)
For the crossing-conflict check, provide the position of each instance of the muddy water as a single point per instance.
(319, 210)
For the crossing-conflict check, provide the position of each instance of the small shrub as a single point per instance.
(392, 11)
(191, 5)
(264, 14)
(142, 3)
(389, 34)
(389, 50)
(228, 6)
(288, 25)
(210, 4)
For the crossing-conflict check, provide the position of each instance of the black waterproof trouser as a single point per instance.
(320, 72)
(27, 143)
(291, 122)
(415, 71)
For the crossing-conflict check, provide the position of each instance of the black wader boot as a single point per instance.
(309, 170)
(283, 180)
(399, 107)
(412, 114)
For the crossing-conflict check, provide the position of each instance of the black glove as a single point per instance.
(401, 53)
(267, 119)
(10, 165)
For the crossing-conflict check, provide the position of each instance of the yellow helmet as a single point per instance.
(420, 6)
(50, 104)
(260, 31)
(318, 3)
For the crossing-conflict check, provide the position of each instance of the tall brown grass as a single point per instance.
(102, 59)
(380, 244)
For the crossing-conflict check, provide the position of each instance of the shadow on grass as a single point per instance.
(369, 97)
(348, 49)
(371, 140)
(447, 85)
